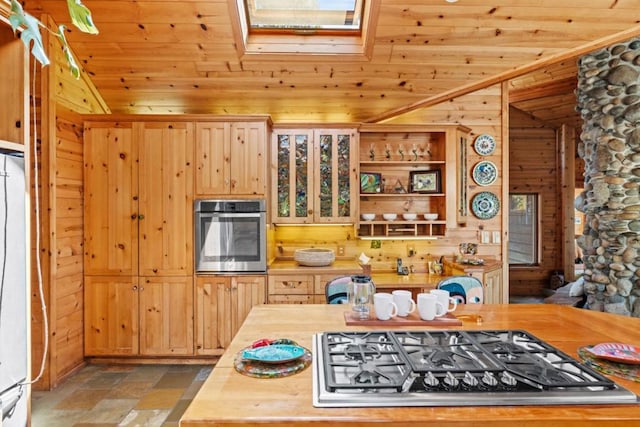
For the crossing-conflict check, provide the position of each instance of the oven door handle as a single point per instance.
(230, 214)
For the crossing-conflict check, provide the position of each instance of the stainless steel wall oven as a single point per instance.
(230, 236)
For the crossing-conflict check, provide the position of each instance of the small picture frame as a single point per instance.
(370, 183)
(427, 181)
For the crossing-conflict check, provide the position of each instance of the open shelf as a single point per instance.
(392, 155)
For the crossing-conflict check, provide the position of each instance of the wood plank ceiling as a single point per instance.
(155, 56)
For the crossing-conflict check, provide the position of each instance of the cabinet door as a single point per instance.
(250, 291)
(335, 175)
(248, 165)
(110, 200)
(166, 316)
(493, 287)
(166, 198)
(292, 180)
(213, 158)
(210, 291)
(222, 305)
(110, 315)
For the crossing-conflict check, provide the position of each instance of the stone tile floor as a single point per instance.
(120, 395)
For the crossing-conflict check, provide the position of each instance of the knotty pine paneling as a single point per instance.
(480, 111)
(59, 97)
(533, 168)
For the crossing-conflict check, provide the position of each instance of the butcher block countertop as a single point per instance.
(228, 398)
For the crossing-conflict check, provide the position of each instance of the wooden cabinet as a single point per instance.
(300, 288)
(410, 169)
(231, 158)
(490, 276)
(138, 244)
(131, 315)
(313, 175)
(492, 281)
(222, 304)
(138, 199)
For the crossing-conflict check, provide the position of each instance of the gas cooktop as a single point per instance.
(452, 368)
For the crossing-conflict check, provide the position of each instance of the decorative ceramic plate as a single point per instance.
(278, 353)
(623, 370)
(485, 173)
(623, 353)
(485, 205)
(484, 144)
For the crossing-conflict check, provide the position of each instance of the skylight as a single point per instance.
(314, 16)
(291, 29)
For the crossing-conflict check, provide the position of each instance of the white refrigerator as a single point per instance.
(13, 292)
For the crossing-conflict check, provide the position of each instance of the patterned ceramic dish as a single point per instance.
(617, 352)
(277, 353)
(484, 144)
(485, 205)
(485, 173)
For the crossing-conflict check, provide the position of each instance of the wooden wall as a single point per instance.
(534, 168)
(60, 101)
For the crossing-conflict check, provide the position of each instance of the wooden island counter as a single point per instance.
(228, 398)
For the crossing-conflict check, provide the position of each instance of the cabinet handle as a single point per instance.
(134, 216)
(135, 288)
(291, 284)
(141, 216)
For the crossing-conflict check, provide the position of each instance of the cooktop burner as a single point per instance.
(452, 368)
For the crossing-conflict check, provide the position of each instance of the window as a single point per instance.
(284, 30)
(523, 229)
(294, 16)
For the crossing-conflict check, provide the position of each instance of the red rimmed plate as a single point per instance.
(617, 352)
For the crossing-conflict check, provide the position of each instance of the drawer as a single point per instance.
(290, 285)
(322, 279)
(290, 299)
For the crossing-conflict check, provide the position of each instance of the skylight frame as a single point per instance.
(291, 46)
(308, 19)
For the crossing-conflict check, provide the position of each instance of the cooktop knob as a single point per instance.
(469, 379)
(450, 380)
(508, 379)
(430, 380)
(489, 379)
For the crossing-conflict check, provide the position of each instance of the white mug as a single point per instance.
(384, 306)
(445, 300)
(404, 302)
(429, 307)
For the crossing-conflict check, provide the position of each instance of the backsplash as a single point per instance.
(342, 239)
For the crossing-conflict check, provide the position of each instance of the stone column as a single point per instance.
(609, 101)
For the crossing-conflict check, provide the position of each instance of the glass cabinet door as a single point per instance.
(294, 174)
(335, 169)
(314, 176)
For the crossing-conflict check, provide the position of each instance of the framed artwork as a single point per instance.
(370, 183)
(427, 181)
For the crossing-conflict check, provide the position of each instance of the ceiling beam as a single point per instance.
(510, 74)
(542, 90)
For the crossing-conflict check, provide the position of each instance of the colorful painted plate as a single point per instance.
(617, 352)
(278, 353)
(485, 173)
(484, 144)
(485, 205)
(623, 370)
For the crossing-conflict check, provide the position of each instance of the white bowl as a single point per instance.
(314, 257)
(431, 216)
(389, 216)
(368, 216)
(409, 216)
